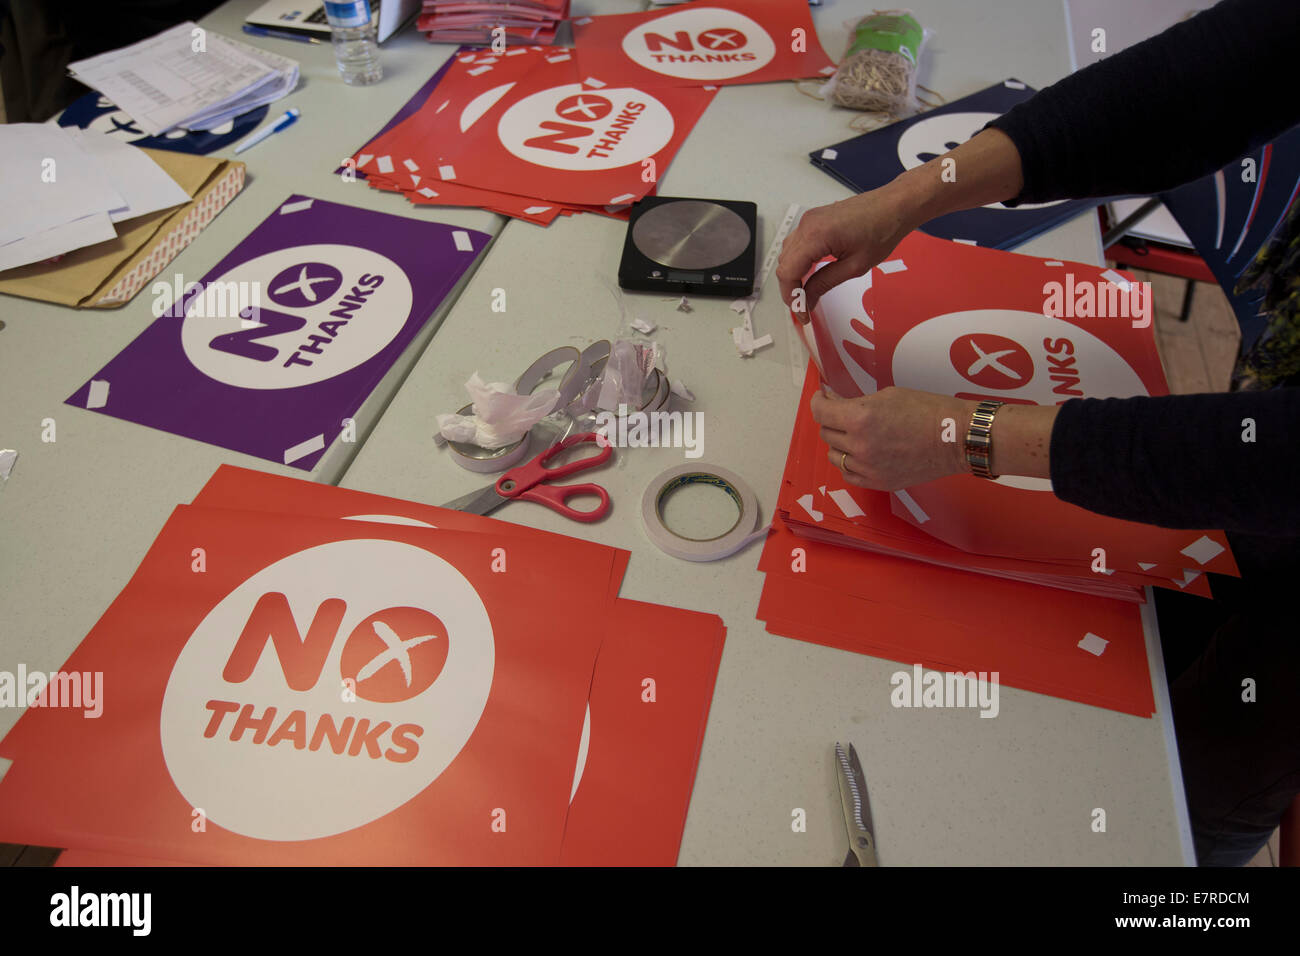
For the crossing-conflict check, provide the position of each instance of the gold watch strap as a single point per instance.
(979, 439)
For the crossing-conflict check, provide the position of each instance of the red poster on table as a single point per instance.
(295, 690)
(717, 43)
(649, 705)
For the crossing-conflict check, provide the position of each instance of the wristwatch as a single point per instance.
(979, 439)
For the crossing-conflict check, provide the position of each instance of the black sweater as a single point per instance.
(1162, 113)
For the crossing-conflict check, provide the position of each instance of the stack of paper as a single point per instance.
(65, 188)
(527, 134)
(484, 21)
(360, 680)
(187, 77)
(965, 573)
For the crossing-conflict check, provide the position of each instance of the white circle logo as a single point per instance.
(1011, 356)
(569, 127)
(296, 316)
(705, 43)
(257, 726)
(935, 135)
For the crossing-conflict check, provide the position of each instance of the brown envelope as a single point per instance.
(108, 274)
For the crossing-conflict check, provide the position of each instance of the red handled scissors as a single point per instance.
(531, 482)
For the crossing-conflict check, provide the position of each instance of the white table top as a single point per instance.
(946, 787)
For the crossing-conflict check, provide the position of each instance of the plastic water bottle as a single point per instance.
(353, 31)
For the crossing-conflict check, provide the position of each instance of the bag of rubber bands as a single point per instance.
(878, 72)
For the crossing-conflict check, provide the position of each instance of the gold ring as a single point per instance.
(843, 458)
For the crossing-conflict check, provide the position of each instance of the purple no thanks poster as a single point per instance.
(337, 292)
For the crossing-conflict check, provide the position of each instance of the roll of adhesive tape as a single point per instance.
(487, 460)
(548, 363)
(700, 549)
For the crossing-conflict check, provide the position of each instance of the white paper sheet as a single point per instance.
(49, 181)
(144, 184)
(53, 242)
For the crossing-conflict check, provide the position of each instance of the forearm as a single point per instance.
(1183, 461)
(984, 169)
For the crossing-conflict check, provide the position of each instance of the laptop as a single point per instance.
(308, 16)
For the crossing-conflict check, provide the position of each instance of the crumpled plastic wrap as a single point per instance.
(500, 416)
(624, 378)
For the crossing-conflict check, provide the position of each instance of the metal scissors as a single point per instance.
(530, 482)
(857, 812)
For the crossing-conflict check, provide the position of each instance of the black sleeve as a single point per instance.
(1166, 111)
(1184, 461)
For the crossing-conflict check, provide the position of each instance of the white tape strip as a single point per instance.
(7, 458)
(411, 165)
(303, 449)
(462, 240)
(98, 395)
(1093, 644)
(910, 504)
(848, 504)
(385, 164)
(447, 172)
(478, 69)
(829, 153)
(298, 206)
(742, 533)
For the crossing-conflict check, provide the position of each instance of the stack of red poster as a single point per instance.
(300, 674)
(964, 573)
(509, 22)
(535, 131)
(526, 134)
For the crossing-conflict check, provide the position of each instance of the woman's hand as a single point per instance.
(858, 232)
(894, 438)
(899, 437)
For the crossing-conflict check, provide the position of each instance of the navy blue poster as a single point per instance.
(98, 113)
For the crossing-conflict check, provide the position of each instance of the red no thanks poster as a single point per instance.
(961, 320)
(295, 690)
(533, 125)
(716, 43)
(646, 710)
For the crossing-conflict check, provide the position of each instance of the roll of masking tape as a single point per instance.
(729, 542)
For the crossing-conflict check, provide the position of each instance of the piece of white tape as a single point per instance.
(740, 534)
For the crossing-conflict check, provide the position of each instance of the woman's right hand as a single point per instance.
(858, 232)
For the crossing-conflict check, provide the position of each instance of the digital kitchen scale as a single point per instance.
(691, 246)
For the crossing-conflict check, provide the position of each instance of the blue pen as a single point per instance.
(278, 34)
(288, 119)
